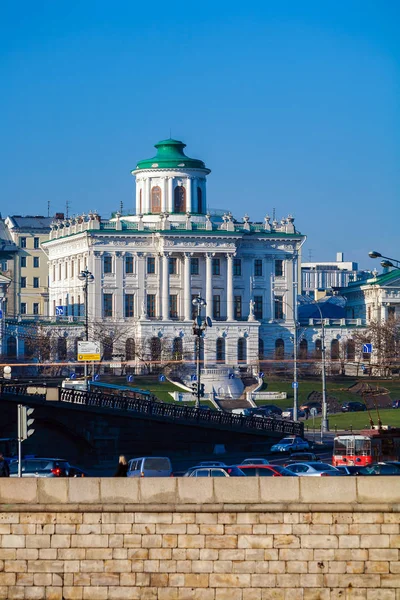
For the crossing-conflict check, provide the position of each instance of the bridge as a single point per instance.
(103, 425)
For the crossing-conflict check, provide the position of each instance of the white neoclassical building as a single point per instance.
(150, 265)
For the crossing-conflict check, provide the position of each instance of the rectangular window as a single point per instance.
(23, 261)
(54, 272)
(59, 271)
(36, 243)
(72, 267)
(216, 266)
(279, 268)
(217, 307)
(36, 282)
(194, 266)
(173, 306)
(22, 242)
(172, 266)
(151, 305)
(129, 305)
(278, 307)
(151, 265)
(258, 307)
(23, 282)
(108, 264)
(23, 308)
(237, 267)
(108, 305)
(129, 265)
(66, 270)
(237, 306)
(258, 270)
(35, 262)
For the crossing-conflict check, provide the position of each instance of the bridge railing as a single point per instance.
(140, 404)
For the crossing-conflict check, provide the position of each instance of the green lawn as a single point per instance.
(357, 420)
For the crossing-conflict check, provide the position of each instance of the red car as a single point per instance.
(265, 471)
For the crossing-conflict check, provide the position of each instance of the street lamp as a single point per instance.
(87, 277)
(324, 421)
(385, 263)
(199, 326)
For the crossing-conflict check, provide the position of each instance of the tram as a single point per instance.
(370, 446)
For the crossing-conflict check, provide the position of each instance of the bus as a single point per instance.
(368, 447)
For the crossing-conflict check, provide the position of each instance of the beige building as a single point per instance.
(29, 294)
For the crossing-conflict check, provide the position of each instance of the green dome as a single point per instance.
(170, 155)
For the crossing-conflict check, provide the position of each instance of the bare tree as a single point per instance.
(385, 339)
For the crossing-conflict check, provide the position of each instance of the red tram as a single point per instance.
(370, 446)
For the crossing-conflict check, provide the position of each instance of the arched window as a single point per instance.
(261, 349)
(108, 346)
(155, 205)
(279, 349)
(140, 202)
(155, 349)
(220, 350)
(335, 349)
(318, 348)
(177, 349)
(303, 349)
(242, 350)
(12, 347)
(62, 348)
(200, 208)
(179, 199)
(130, 349)
(350, 350)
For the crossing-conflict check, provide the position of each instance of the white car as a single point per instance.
(255, 461)
(314, 469)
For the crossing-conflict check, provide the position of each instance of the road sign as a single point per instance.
(261, 375)
(193, 378)
(88, 351)
(161, 378)
(295, 384)
(129, 378)
(1, 314)
(59, 311)
(367, 348)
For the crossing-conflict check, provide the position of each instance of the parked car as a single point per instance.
(245, 412)
(297, 457)
(291, 444)
(270, 409)
(41, 467)
(311, 408)
(265, 471)
(314, 469)
(76, 472)
(383, 468)
(255, 461)
(149, 466)
(353, 407)
(232, 471)
(287, 413)
(349, 469)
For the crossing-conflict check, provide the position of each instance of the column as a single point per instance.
(170, 202)
(159, 295)
(95, 289)
(187, 298)
(229, 287)
(164, 195)
(165, 288)
(209, 285)
(189, 194)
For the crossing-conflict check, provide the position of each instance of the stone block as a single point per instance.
(319, 541)
(238, 489)
(278, 490)
(228, 594)
(35, 593)
(95, 593)
(374, 541)
(255, 541)
(125, 593)
(72, 593)
(191, 541)
(84, 490)
(18, 491)
(119, 490)
(12, 541)
(89, 541)
(52, 491)
(54, 593)
(104, 579)
(191, 490)
(327, 490)
(388, 490)
(221, 541)
(229, 580)
(158, 490)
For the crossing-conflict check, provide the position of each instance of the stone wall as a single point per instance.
(187, 539)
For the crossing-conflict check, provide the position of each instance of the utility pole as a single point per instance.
(86, 277)
(199, 326)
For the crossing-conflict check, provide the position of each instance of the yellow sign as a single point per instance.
(83, 357)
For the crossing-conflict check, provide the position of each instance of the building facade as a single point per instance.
(327, 275)
(149, 267)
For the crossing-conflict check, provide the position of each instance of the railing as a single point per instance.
(139, 404)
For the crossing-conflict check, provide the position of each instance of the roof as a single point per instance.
(377, 280)
(331, 308)
(6, 241)
(30, 222)
(170, 155)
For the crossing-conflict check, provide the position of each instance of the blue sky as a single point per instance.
(293, 105)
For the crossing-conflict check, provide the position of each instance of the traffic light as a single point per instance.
(24, 422)
(194, 388)
(202, 390)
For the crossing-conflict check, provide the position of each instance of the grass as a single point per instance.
(357, 420)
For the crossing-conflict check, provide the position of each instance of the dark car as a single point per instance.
(349, 469)
(76, 472)
(353, 407)
(266, 471)
(41, 467)
(380, 469)
(311, 408)
(302, 457)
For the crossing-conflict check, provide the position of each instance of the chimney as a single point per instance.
(339, 256)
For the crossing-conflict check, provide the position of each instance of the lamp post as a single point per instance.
(387, 260)
(199, 326)
(324, 421)
(86, 277)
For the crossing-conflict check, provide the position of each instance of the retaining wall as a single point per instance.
(187, 539)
